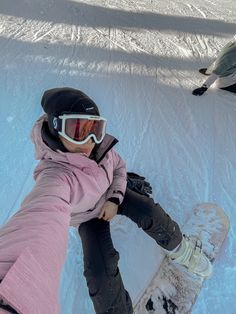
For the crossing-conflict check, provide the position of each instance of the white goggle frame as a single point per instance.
(63, 119)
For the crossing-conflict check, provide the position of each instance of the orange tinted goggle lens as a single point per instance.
(80, 129)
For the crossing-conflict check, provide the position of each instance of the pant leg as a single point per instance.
(231, 88)
(101, 270)
(152, 219)
(6, 308)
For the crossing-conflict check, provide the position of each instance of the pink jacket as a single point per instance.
(70, 189)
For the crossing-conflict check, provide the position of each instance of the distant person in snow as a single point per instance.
(80, 181)
(222, 72)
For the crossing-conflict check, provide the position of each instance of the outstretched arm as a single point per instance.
(33, 246)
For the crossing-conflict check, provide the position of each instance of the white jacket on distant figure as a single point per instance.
(223, 70)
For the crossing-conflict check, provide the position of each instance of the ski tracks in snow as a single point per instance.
(147, 67)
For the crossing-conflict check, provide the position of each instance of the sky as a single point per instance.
(138, 60)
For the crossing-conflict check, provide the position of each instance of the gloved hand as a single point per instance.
(138, 184)
(199, 91)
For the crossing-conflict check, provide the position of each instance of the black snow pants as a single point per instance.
(101, 270)
(231, 88)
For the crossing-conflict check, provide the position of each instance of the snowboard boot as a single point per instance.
(203, 71)
(190, 255)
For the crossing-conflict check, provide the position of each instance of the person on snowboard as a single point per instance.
(222, 72)
(80, 181)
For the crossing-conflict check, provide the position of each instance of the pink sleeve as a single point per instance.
(33, 246)
(52, 189)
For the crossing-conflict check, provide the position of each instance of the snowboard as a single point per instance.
(173, 289)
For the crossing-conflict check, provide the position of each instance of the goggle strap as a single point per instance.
(57, 124)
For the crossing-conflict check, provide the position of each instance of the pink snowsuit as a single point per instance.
(70, 189)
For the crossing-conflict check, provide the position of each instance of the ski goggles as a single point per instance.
(78, 129)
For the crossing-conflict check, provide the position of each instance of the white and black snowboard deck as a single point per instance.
(173, 290)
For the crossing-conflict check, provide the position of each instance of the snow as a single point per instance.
(138, 60)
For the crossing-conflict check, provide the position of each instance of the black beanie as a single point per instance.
(67, 100)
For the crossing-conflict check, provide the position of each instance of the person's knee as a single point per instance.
(170, 238)
(108, 268)
(99, 273)
(111, 264)
(95, 282)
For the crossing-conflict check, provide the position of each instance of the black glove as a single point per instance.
(138, 184)
(199, 91)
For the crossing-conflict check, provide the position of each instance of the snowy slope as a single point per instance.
(138, 60)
